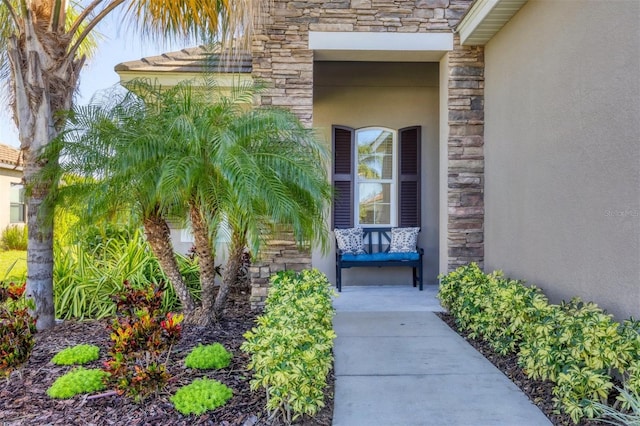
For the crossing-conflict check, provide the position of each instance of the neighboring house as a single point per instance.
(12, 205)
(419, 93)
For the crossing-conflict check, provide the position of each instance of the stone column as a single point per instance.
(283, 62)
(465, 180)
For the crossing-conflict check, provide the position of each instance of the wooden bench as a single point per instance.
(377, 242)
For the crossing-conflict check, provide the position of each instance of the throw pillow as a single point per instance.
(403, 240)
(349, 240)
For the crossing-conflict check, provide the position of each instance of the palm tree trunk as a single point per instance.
(231, 271)
(43, 82)
(39, 249)
(206, 263)
(159, 238)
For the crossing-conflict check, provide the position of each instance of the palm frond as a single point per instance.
(228, 21)
(162, 150)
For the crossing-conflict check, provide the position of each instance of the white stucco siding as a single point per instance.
(562, 150)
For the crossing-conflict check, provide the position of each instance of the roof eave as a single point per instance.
(171, 68)
(484, 19)
(8, 166)
(171, 78)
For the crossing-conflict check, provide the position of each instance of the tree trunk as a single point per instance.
(43, 81)
(39, 249)
(159, 238)
(206, 263)
(231, 271)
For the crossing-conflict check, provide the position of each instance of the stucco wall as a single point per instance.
(7, 177)
(394, 95)
(562, 151)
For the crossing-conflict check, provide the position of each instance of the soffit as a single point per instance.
(377, 56)
(379, 47)
(485, 18)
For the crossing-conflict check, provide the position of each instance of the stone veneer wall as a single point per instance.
(282, 59)
(281, 56)
(279, 254)
(465, 177)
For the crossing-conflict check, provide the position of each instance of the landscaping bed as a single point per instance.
(23, 398)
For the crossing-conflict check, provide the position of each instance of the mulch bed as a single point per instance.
(23, 398)
(539, 392)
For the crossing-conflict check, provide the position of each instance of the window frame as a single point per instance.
(393, 181)
(408, 182)
(21, 204)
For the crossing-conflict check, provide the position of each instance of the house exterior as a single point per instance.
(12, 205)
(562, 147)
(348, 68)
(435, 118)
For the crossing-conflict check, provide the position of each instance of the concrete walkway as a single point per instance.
(397, 363)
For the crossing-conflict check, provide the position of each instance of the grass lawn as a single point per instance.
(13, 265)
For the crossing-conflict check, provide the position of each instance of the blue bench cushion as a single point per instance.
(366, 257)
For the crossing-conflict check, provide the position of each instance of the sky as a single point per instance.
(117, 46)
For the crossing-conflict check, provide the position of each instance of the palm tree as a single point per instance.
(41, 58)
(251, 166)
(204, 154)
(115, 153)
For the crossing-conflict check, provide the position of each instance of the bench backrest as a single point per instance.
(376, 240)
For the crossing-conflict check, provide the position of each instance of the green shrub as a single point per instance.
(576, 345)
(77, 381)
(513, 306)
(96, 237)
(200, 396)
(291, 349)
(65, 222)
(17, 328)
(578, 389)
(85, 280)
(14, 237)
(630, 398)
(208, 357)
(79, 354)
(464, 293)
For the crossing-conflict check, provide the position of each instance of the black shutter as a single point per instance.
(409, 185)
(343, 142)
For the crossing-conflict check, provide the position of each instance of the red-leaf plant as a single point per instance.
(17, 328)
(141, 335)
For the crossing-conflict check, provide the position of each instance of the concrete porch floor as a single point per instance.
(386, 298)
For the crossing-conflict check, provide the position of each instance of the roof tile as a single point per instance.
(10, 155)
(193, 60)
